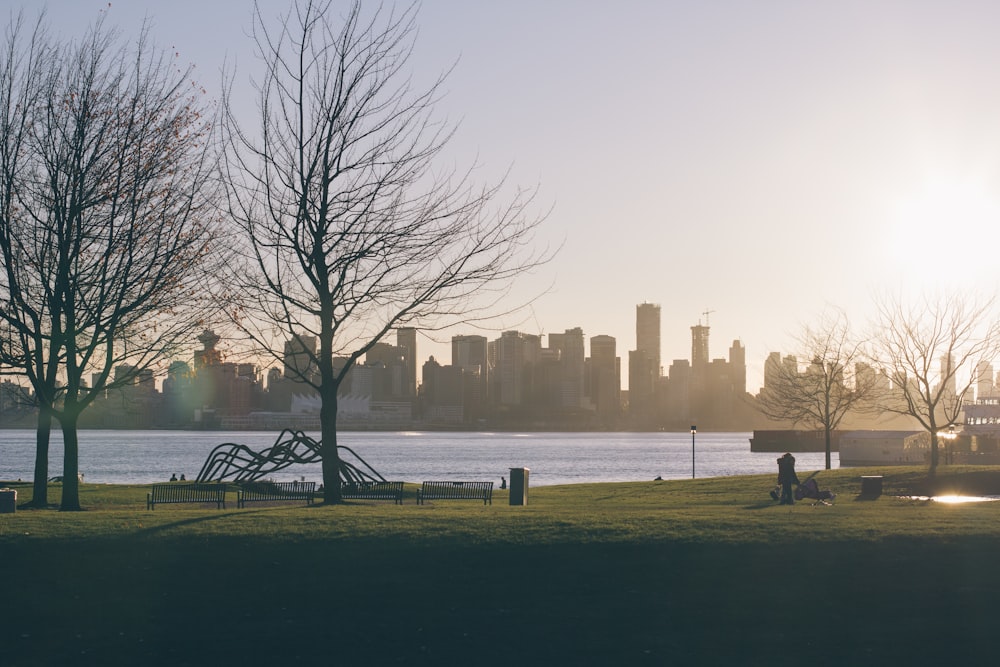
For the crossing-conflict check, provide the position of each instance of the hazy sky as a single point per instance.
(760, 160)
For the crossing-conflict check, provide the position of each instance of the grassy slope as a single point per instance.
(676, 572)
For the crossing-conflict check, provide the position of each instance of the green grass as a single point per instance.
(689, 572)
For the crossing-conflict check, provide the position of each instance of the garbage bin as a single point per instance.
(8, 501)
(871, 486)
(519, 486)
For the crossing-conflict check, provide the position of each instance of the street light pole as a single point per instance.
(694, 429)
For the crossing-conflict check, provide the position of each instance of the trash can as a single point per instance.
(871, 486)
(519, 486)
(8, 501)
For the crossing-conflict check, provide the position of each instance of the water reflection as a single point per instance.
(954, 499)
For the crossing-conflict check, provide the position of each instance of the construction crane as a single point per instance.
(706, 314)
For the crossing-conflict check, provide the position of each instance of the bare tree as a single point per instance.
(822, 394)
(106, 222)
(25, 312)
(929, 351)
(350, 232)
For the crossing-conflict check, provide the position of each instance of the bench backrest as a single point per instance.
(457, 490)
(194, 492)
(374, 488)
(184, 492)
(279, 489)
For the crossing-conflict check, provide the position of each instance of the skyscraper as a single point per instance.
(510, 367)
(605, 376)
(647, 333)
(471, 355)
(644, 367)
(300, 353)
(571, 359)
(406, 338)
(738, 372)
(699, 345)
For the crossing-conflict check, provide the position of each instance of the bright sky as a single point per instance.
(760, 160)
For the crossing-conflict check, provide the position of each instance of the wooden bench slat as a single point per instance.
(195, 492)
(456, 491)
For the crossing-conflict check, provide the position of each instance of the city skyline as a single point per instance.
(755, 161)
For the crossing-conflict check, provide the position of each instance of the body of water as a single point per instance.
(140, 457)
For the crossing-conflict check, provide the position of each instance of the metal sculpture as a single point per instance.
(238, 463)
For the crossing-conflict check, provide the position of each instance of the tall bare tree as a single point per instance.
(929, 350)
(349, 230)
(27, 57)
(107, 221)
(828, 388)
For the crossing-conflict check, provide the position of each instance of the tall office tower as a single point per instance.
(571, 360)
(644, 367)
(948, 375)
(406, 338)
(389, 372)
(647, 333)
(510, 368)
(984, 380)
(605, 375)
(699, 345)
(470, 353)
(772, 370)
(300, 353)
(777, 369)
(467, 351)
(738, 367)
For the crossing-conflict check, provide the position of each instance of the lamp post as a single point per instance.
(694, 429)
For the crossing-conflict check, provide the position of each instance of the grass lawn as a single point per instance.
(687, 572)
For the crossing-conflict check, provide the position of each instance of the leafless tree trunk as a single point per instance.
(105, 241)
(350, 232)
(929, 351)
(828, 389)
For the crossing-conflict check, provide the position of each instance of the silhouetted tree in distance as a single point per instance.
(349, 231)
(106, 218)
(928, 350)
(822, 394)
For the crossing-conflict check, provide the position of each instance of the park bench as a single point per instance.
(258, 492)
(174, 492)
(373, 491)
(456, 491)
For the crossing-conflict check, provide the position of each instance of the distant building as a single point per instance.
(572, 357)
(471, 354)
(516, 354)
(644, 367)
(406, 340)
(605, 378)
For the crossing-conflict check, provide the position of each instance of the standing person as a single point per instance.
(787, 477)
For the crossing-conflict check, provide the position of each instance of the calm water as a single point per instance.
(139, 457)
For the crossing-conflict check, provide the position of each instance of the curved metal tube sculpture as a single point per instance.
(239, 463)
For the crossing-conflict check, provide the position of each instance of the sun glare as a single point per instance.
(933, 230)
(958, 500)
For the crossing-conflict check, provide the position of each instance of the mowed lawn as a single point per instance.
(686, 572)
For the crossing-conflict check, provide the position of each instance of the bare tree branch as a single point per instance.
(929, 350)
(108, 218)
(350, 230)
(828, 389)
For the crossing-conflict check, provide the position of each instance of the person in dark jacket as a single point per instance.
(787, 477)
